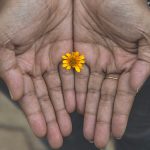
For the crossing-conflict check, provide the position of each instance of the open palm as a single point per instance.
(32, 41)
(114, 36)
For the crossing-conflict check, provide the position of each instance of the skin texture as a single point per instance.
(114, 36)
(33, 37)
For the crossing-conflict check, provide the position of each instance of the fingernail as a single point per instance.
(118, 138)
(11, 94)
(91, 142)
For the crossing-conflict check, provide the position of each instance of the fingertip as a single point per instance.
(119, 124)
(87, 133)
(54, 136)
(89, 126)
(80, 98)
(102, 135)
(64, 123)
(139, 74)
(14, 82)
(70, 101)
(38, 125)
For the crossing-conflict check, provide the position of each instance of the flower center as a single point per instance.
(73, 62)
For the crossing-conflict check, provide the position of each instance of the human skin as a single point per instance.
(33, 37)
(114, 36)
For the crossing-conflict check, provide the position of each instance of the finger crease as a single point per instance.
(125, 93)
(107, 97)
(50, 72)
(29, 93)
(68, 89)
(80, 92)
(56, 88)
(103, 122)
(92, 90)
(82, 76)
(60, 110)
(51, 121)
(120, 114)
(44, 98)
(34, 113)
(12, 67)
(90, 113)
(97, 74)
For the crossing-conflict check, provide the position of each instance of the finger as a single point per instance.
(67, 80)
(55, 91)
(31, 108)
(108, 93)
(139, 74)
(122, 106)
(92, 101)
(81, 87)
(53, 133)
(11, 74)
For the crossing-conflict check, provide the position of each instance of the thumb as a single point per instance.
(141, 69)
(139, 74)
(10, 73)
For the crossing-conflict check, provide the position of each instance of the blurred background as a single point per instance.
(15, 133)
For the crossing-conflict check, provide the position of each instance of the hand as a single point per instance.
(114, 36)
(33, 37)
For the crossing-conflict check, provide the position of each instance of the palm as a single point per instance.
(32, 43)
(114, 39)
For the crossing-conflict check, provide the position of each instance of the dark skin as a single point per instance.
(33, 37)
(115, 39)
(113, 36)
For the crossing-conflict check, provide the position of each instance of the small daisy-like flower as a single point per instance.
(73, 60)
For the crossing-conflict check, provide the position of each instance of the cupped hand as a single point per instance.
(33, 37)
(114, 36)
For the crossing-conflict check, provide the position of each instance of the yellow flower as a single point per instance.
(73, 60)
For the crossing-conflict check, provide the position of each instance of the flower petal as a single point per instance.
(68, 67)
(81, 57)
(80, 65)
(77, 69)
(64, 65)
(82, 61)
(76, 53)
(68, 54)
(65, 62)
(64, 57)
